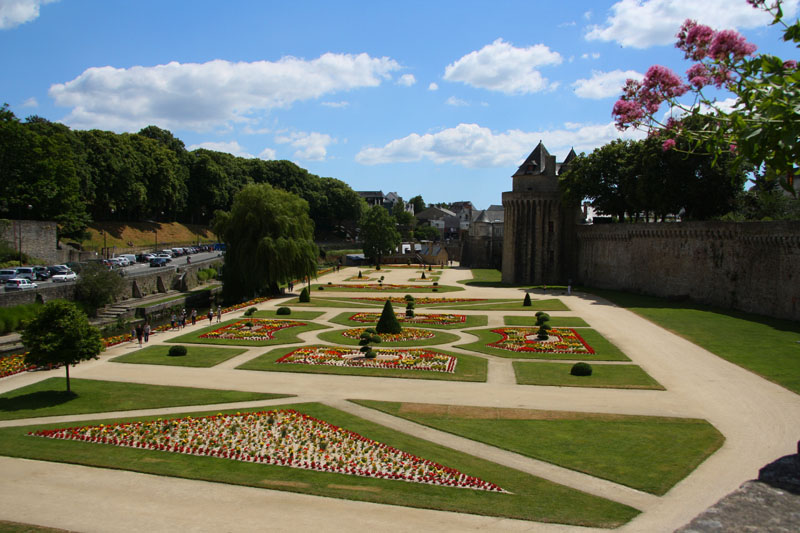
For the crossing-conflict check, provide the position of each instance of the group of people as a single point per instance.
(141, 332)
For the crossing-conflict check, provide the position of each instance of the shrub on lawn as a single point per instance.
(581, 369)
(527, 301)
(177, 351)
(283, 311)
(423, 275)
(542, 318)
(388, 322)
(251, 311)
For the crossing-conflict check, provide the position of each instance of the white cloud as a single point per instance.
(587, 15)
(30, 102)
(645, 23)
(407, 80)
(502, 67)
(311, 146)
(457, 102)
(593, 55)
(16, 12)
(202, 96)
(338, 105)
(604, 84)
(229, 147)
(433, 86)
(267, 154)
(471, 145)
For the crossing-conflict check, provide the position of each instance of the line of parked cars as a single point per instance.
(25, 278)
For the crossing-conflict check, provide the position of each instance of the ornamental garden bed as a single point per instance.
(407, 337)
(263, 332)
(393, 363)
(603, 376)
(383, 287)
(427, 320)
(555, 321)
(196, 356)
(520, 343)
(295, 315)
(647, 453)
(360, 445)
(49, 397)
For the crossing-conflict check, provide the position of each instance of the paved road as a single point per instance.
(759, 419)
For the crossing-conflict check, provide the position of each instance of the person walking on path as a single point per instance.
(219, 313)
(146, 331)
(183, 318)
(174, 321)
(139, 334)
(210, 315)
(194, 316)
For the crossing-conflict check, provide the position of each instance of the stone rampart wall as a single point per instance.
(751, 266)
(38, 238)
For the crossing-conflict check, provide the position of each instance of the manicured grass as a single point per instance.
(604, 350)
(440, 337)
(282, 336)
(529, 497)
(182, 295)
(644, 452)
(317, 301)
(16, 527)
(374, 288)
(551, 304)
(468, 368)
(49, 397)
(295, 315)
(196, 356)
(471, 321)
(603, 376)
(767, 346)
(491, 277)
(555, 321)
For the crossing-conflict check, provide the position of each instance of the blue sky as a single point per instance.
(439, 98)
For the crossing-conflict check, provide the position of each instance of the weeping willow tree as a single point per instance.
(269, 240)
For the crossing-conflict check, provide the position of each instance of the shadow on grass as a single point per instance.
(36, 400)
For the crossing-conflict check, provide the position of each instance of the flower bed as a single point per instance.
(560, 340)
(441, 319)
(419, 300)
(404, 359)
(262, 329)
(281, 437)
(406, 335)
(374, 286)
(14, 364)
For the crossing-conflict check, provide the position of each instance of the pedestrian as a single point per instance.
(291, 286)
(194, 316)
(146, 331)
(183, 318)
(188, 260)
(139, 333)
(219, 313)
(133, 332)
(210, 315)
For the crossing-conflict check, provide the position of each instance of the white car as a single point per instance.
(18, 284)
(65, 276)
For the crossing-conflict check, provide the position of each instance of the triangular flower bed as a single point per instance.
(281, 437)
(395, 358)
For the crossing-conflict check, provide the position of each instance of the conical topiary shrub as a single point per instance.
(388, 322)
(305, 296)
(527, 301)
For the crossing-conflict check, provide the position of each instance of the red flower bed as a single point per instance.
(560, 340)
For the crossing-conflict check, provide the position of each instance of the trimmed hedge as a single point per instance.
(581, 369)
(177, 351)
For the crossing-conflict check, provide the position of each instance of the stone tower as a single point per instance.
(538, 232)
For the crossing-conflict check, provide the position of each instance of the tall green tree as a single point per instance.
(60, 334)
(97, 287)
(269, 240)
(379, 234)
(418, 203)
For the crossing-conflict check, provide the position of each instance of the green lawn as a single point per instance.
(490, 304)
(528, 497)
(767, 346)
(471, 321)
(294, 315)
(282, 336)
(49, 397)
(491, 277)
(318, 301)
(604, 350)
(468, 368)
(555, 321)
(373, 287)
(16, 527)
(647, 453)
(196, 356)
(603, 376)
(439, 337)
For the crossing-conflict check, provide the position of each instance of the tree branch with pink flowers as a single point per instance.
(762, 126)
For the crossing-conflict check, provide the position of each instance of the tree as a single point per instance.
(762, 128)
(427, 233)
(388, 322)
(378, 233)
(269, 240)
(98, 286)
(405, 221)
(418, 203)
(60, 334)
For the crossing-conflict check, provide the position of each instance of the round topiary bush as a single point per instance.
(177, 351)
(283, 311)
(251, 311)
(321, 288)
(581, 369)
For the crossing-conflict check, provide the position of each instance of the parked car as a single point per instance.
(7, 273)
(167, 251)
(65, 276)
(56, 269)
(129, 257)
(167, 257)
(20, 284)
(41, 273)
(26, 273)
(118, 262)
(158, 262)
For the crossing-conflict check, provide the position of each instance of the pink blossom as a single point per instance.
(698, 75)
(729, 43)
(721, 76)
(790, 64)
(664, 81)
(669, 144)
(627, 112)
(694, 39)
(732, 148)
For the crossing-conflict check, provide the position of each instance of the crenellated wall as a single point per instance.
(750, 266)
